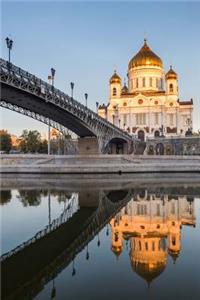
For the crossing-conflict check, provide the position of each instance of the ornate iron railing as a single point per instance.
(17, 77)
(72, 207)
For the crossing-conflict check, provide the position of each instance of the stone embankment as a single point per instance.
(97, 164)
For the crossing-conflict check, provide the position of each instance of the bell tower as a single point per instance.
(171, 82)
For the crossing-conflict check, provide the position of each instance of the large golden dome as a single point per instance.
(145, 57)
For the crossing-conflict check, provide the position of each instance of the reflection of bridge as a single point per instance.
(45, 256)
(26, 94)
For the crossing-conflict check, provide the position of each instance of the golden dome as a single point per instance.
(171, 74)
(115, 78)
(145, 57)
(148, 271)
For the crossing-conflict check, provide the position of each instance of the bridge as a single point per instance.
(42, 257)
(27, 94)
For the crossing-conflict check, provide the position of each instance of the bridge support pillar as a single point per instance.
(88, 145)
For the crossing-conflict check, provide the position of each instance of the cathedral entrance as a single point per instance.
(141, 135)
(160, 149)
(156, 133)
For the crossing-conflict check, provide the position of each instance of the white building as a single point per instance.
(149, 106)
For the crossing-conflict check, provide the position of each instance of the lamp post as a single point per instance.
(53, 71)
(9, 44)
(97, 106)
(72, 89)
(86, 97)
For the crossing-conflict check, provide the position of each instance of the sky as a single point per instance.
(86, 41)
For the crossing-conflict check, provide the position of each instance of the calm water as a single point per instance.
(103, 240)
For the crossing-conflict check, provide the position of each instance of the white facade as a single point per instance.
(149, 106)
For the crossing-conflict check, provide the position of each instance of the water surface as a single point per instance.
(105, 240)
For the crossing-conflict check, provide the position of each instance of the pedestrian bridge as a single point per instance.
(27, 94)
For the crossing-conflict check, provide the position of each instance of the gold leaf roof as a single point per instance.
(171, 74)
(115, 78)
(145, 57)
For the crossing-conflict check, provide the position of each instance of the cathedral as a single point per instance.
(149, 105)
(152, 226)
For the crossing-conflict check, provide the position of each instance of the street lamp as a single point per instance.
(53, 71)
(72, 89)
(9, 44)
(97, 106)
(86, 97)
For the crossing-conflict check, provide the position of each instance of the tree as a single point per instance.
(5, 196)
(5, 141)
(30, 141)
(43, 146)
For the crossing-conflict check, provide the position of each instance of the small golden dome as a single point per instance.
(115, 78)
(145, 57)
(171, 74)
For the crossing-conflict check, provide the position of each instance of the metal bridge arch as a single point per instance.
(26, 94)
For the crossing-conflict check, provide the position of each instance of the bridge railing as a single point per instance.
(46, 88)
(72, 207)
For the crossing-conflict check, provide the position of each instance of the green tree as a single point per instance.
(43, 146)
(30, 141)
(5, 141)
(30, 197)
(5, 196)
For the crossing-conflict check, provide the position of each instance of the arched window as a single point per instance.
(157, 82)
(173, 240)
(161, 83)
(171, 88)
(137, 83)
(114, 92)
(143, 81)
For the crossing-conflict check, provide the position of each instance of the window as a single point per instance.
(146, 246)
(114, 92)
(173, 208)
(156, 118)
(151, 81)
(137, 83)
(153, 246)
(171, 119)
(161, 83)
(157, 82)
(143, 81)
(158, 210)
(173, 240)
(141, 209)
(125, 119)
(141, 119)
(171, 88)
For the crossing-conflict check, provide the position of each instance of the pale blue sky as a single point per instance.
(85, 41)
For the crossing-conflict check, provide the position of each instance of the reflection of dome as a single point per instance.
(145, 57)
(174, 255)
(115, 78)
(148, 271)
(171, 74)
(117, 250)
(148, 256)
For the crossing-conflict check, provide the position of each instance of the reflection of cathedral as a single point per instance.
(149, 105)
(153, 226)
